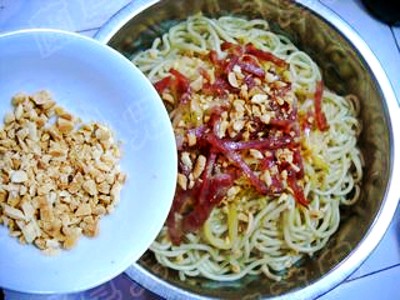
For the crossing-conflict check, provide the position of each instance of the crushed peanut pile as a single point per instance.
(57, 175)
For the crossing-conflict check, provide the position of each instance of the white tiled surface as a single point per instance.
(396, 33)
(73, 15)
(379, 276)
(386, 255)
(378, 36)
(382, 285)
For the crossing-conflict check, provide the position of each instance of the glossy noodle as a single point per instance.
(267, 153)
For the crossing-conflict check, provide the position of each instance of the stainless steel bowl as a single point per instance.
(348, 66)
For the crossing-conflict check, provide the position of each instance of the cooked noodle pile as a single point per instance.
(267, 154)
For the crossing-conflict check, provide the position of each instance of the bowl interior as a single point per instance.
(67, 65)
(344, 71)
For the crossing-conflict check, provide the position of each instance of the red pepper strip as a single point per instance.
(183, 82)
(285, 125)
(268, 162)
(162, 84)
(203, 72)
(250, 64)
(196, 218)
(219, 184)
(232, 48)
(173, 221)
(306, 121)
(298, 161)
(213, 55)
(297, 190)
(174, 230)
(206, 177)
(197, 194)
(202, 208)
(264, 55)
(251, 59)
(239, 162)
(252, 69)
(217, 187)
(276, 185)
(182, 85)
(219, 88)
(249, 81)
(319, 114)
(270, 144)
(231, 62)
(227, 45)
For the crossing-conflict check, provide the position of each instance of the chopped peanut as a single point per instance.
(57, 179)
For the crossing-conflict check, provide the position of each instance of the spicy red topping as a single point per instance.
(239, 127)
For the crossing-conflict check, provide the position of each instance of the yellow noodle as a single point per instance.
(276, 232)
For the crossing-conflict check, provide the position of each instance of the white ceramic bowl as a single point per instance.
(96, 83)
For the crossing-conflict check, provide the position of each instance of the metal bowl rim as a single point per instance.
(389, 204)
